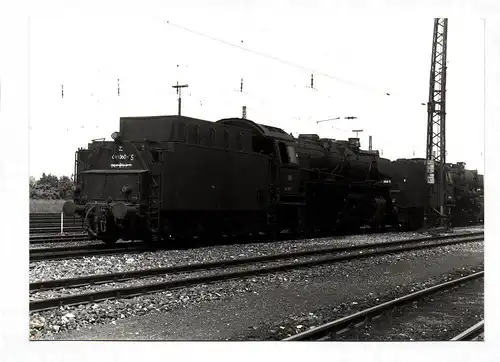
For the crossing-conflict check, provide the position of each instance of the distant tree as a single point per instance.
(32, 185)
(50, 187)
(49, 180)
(65, 187)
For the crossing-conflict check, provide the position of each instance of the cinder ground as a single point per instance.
(275, 311)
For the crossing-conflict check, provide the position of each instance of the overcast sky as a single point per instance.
(356, 60)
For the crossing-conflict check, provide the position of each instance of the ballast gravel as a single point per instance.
(49, 324)
(62, 292)
(70, 268)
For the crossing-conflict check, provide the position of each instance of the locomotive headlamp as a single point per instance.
(126, 189)
(115, 136)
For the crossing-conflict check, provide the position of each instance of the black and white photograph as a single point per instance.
(251, 171)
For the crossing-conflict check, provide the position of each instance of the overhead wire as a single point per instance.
(302, 67)
(283, 61)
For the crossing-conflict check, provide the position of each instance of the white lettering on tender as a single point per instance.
(121, 165)
(130, 157)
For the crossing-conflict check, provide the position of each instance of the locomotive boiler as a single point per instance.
(344, 188)
(324, 184)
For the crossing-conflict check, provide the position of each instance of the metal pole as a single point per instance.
(369, 143)
(436, 122)
(357, 131)
(178, 88)
(62, 223)
(179, 104)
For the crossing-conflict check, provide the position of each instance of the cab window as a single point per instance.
(287, 153)
(292, 154)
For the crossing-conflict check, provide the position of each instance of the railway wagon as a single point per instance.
(409, 190)
(465, 189)
(414, 197)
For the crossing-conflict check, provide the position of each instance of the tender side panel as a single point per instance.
(198, 178)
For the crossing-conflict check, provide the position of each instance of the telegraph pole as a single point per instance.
(357, 131)
(369, 143)
(436, 124)
(179, 100)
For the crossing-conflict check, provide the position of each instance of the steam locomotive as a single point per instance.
(176, 177)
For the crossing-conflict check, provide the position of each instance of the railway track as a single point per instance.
(51, 223)
(41, 239)
(55, 230)
(65, 252)
(354, 322)
(473, 333)
(226, 269)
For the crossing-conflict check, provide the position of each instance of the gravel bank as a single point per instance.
(224, 310)
(45, 294)
(69, 268)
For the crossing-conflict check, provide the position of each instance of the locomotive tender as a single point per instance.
(175, 177)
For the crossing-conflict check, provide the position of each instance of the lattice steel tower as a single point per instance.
(436, 124)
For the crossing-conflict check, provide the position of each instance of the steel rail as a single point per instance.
(86, 250)
(470, 333)
(41, 215)
(359, 317)
(113, 293)
(40, 239)
(52, 225)
(43, 230)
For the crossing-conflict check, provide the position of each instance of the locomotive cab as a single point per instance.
(288, 171)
